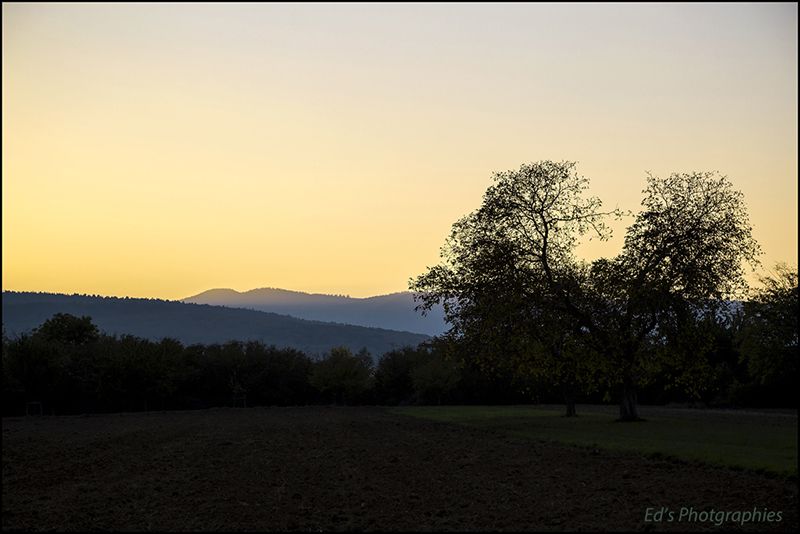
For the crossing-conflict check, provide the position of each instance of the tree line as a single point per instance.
(69, 367)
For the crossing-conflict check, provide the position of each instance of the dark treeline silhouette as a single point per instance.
(67, 366)
(70, 367)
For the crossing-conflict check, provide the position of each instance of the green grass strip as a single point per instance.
(762, 443)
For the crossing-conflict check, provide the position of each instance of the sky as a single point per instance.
(159, 150)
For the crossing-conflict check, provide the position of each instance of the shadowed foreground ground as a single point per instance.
(326, 468)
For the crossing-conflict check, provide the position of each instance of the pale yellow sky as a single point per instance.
(160, 150)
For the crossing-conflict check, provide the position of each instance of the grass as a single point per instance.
(760, 442)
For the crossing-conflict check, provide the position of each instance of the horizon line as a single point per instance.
(182, 299)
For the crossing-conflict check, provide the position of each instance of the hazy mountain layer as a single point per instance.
(394, 311)
(196, 323)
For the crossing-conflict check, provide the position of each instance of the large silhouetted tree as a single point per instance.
(508, 278)
(683, 251)
(683, 255)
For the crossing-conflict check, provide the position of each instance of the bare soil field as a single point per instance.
(359, 468)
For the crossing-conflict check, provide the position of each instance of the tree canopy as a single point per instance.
(68, 328)
(769, 334)
(509, 271)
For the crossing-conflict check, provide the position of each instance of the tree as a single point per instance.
(66, 328)
(12, 379)
(684, 250)
(393, 383)
(683, 255)
(275, 376)
(769, 339)
(692, 357)
(508, 274)
(343, 375)
(434, 378)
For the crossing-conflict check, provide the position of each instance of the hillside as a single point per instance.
(394, 311)
(196, 323)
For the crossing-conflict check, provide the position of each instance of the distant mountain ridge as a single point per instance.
(197, 323)
(394, 311)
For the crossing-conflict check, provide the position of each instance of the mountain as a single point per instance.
(394, 311)
(197, 323)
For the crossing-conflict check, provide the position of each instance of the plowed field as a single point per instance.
(333, 468)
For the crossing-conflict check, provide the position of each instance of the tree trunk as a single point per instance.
(571, 408)
(569, 401)
(628, 409)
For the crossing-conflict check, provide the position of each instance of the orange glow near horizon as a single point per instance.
(159, 150)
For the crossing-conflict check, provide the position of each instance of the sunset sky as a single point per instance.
(159, 150)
